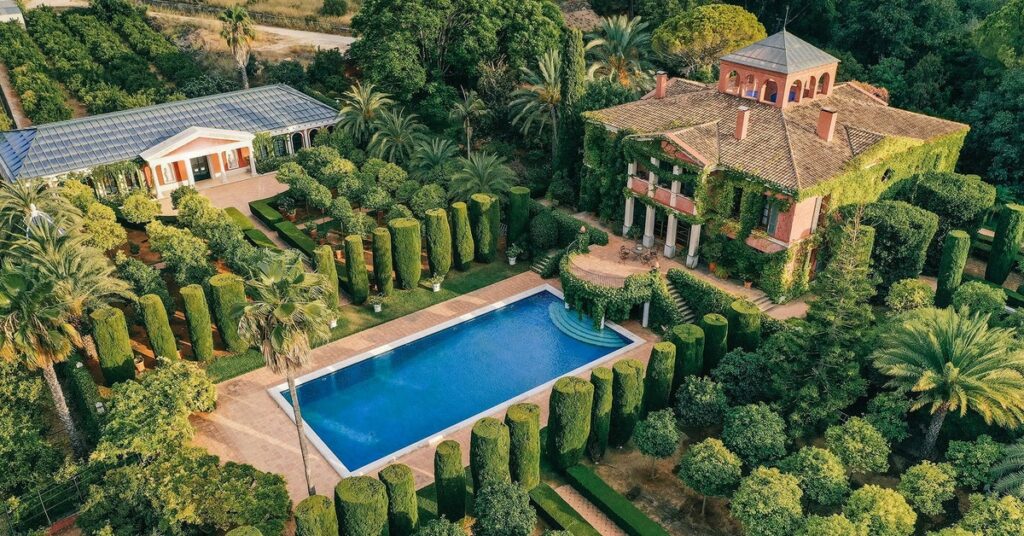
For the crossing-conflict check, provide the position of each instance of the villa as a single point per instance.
(169, 145)
(761, 157)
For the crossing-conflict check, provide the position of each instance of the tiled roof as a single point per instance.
(56, 148)
(782, 53)
(782, 145)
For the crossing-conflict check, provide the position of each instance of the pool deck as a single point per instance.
(249, 427)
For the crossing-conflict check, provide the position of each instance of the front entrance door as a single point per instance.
(200, 168)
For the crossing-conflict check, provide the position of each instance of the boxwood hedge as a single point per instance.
(197, 316)
(403, 511)
(689, 342)
(1006, 244)
(439, 242)
(450, 480)
(627, 400)
(716, 344)
(463, 248)
(315, 516)
(406, 249)
(489, 453)
(601, 414)
(660, 373)
(570, 406)
(903, 234)
(744, 325)
(228, 293)
(518, 214)
(955, 250)
(328, 268)
(355, 265)
(483, 217)
(113, 345)
(383, 270)
(523, 421)
(158, 329)
(361, 504)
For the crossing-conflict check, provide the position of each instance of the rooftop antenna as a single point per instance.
(785, 21)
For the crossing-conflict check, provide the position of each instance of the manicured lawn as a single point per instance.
(233, 365)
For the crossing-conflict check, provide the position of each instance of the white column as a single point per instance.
(188, 171)
(627, 219)
(252, 161)
(647, 314)
(670, 236)
(649, 228)
(288, 143)
(691, 253)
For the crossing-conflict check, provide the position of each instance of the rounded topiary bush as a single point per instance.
(383, 270)
(955, 250)
(439, 242)
(883, 511)
(158, 328)
(113, 345)
(859, 445)
(543, 231)
(627, 400)
(503, 509)
(489, 453)
(518, 213)
(755, 433)
(700, 402)
(328, 269)
(658, 382)
(980, 298)
(450, 480)
(355, 266)
(246, 530)
(523, 421)
(315, 516)
(601, 413)
(228, 295)
(821, 475)
(928, 485)
(716, 339)
(483, 216)
(768, 503)
(361, 504)
(689, 342)
(407, 247)
(909, 294)
(403, 511)
(197, 316)
(744, 325)
(463, 248)
(569, 420)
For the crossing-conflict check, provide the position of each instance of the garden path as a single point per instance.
(591, 513)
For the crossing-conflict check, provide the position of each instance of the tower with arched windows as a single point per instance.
(780, 70)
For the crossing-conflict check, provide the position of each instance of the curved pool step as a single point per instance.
(583, 329)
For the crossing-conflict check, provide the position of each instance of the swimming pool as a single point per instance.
(367, 410)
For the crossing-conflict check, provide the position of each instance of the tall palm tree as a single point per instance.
(361, 106)
(397, 136)
(17, 200)
(468, 110)
(620, 50)
(481, 173)
(539, 100)
(1009, 473)
(431, 158)
(238, 32)
(286, 318)
(954, 361)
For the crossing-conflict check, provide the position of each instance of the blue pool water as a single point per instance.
(376, 407)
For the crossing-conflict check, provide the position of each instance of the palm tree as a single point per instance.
(468, 110)
(1009, 473)
(619, 51)
(396, 136)
(481, 173)
(238, 32)
(19, 198)
(538, 101)
(361, 106)
(286, 318)
(431, 158)
(955, 361)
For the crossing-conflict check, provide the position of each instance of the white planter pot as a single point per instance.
(511, 261)
(436, 287)
(377, 307)
(334, 323)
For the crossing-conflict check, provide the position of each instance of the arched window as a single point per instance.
(770, 91)
(297, 141)
(823, 84)
(795, 92)
(732, 83)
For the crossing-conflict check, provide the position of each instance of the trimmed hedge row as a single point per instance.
(158, 329)
(27, 67)
(361, 504)
(568, 227)
(518, 214)
(570, 406)
(523, 421)
(228, 293)
(113, 345)
(716, 339)
(439, 242)
(660, 376)
(744, 325)
(628, 517)
(383, 270)
(689, 342)
(705, 298)
(1006, 243)
(197, 316)
(601, 412)
(241, 220)
(403, 511)
(463, 247)
(955, 250)
(553, 508)
(450, 480)
(489, 453)
(83, 395)
(294, 237)
(259, 239)
(266, 213)
(406, 251)
(627, 400)
(323, 256)
(355, 266)
(903, 233)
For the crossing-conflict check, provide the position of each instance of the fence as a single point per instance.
(310, 23)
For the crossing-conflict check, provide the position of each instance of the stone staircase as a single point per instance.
(540, 264)
(582, 329)
(687, 314)
(764, 303)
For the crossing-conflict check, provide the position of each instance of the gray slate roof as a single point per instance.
(782, 53)
(66, 146)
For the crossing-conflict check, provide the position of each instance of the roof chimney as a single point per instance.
(742, 122)
(661, 85)
(827, 123)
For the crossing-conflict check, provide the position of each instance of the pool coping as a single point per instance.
(276, 391)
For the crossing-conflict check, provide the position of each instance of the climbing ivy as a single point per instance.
(617, 303)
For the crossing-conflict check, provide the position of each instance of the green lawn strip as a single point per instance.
(627, 516)
(233, 365)
(241, 220)
(553, 508)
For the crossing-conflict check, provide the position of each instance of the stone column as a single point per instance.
(691, 252)
(647, 314)
(627, 219)
(649, 227)
(188, 171)
(252, 161)
(670, 236)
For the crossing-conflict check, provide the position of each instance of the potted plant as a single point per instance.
(712, 252)
(140, 364)
(435, 282)
(286, 204)
(512, 252)
(377, 301)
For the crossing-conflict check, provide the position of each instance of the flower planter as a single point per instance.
(377, 307)
(748, 284)
(712, 266)
(436, 287)
(511, 261)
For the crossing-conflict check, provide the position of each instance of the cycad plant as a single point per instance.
(467, 111)
(539, 100)
(481, 173)
(431, 158)
(619, 50)
(1009, 473)
(361, 106)
(953, 361)
(396, 136)
(238, 32)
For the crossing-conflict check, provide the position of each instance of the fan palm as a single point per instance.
(539, 100)
(431, 157)
(619, 51)
(481, 173)
(361, 106)
(17, 200)
(468, 110)
(286, 318)
(955, 361)
(1009, 473)
(396, 136)
(238, 32)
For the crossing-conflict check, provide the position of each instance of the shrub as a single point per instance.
(658, 382)
(742, 376)
(462, 236)
(612, 503)
(980, 298)
(543, 232)
(601, 412)
(570, 406)
(78, 194)
(139, 207)
(328, 269)
(755, 433)
(859, 445)
(767, 503)
(383, 273)
(197, 316)
(406, 251)
(927, 485)
(884, 511)
(689, 342)
(887, 412)
(335, 8)
(158, 329)
(518, 213)
(361, 504)
(503, 509)
(833, 525)
(1006, 244)
(716, 333)
(822, 476)
(489, 453)
(483, 217)
(972, 461)
(113, 345)
(710, 469)
(185, 254)
(903, 233)
(744, 325)
(315, 516)
(246, 530)
(426, 198)
(450, 480)
(955, 250)
(355, 265)
(101, 228)
(909, 294)
(400, 486)
(627, 400)
(656, 436)
(439, 242)
(228, 293)
(991, 515)
(441, 527)
(523, 421)
(700, 402)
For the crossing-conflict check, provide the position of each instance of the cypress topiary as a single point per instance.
(403, 512)
(689, 342)
(383, 271)
(744, 325)
(197, 316)
(113, 345)
(955, 250)
(601, 413)
(483, 212)
(489, 453)
(627, 400)
(569, 408)
(450, 480)
(246, 530)
(660, 372)
(325, 266)
(1006, 244)
(228, 292)
(355, 265)
(161, 338)
(406, 250)
(716, 339)
(361, 505)
(439, 242)
(315, 516)
(518, 214)
(523, 421)
(463, 247)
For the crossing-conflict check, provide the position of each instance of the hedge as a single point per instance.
(568, 226)
(483, 217)
(240, 220)
(689, 342)
(903, 234)
(716, 344)
(197, 316)
(450, 480)
(627, 400)
(463, 247)
(660, 372)
(315, 516)
(489, 453)
(326, 267)
(744, 325)
(621, 511)
(403, 511)
(228, 293)
(383, 270)
(245, 530)
(83, 394)
(294, 237)
(158, 329)
(361, 505)
(569, 406)
(1006, 244)
(704, 298)
(523, 421)
(113, 345)
(955, 250)
(439, 242)
(259, 239)
(558, 513)
(518, 214)
(406, 251)
(601, 414)
(355, 265)
(265, 213)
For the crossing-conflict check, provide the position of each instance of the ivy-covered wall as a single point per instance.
(616, 304)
